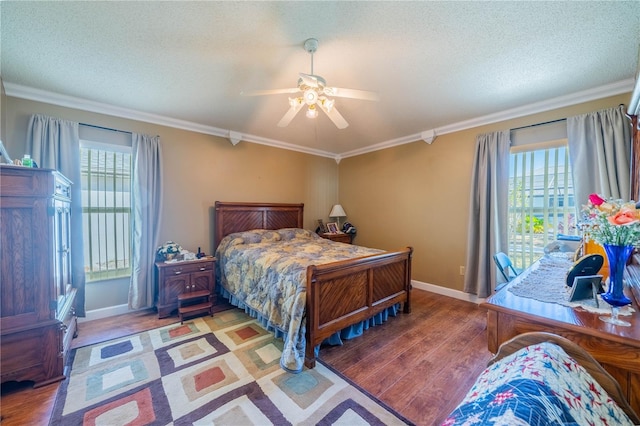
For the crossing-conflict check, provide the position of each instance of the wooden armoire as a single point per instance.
(37, 321)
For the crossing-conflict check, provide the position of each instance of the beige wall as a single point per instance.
(418, 195)
(411, 195)
(199, 170)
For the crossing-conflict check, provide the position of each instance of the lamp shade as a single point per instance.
(337, 211)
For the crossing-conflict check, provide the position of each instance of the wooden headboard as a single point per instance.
(238, 217)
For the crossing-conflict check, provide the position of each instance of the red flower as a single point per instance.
(596, 200)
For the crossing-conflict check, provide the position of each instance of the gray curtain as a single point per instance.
(488, 211)
(600, 152)
(145, 218)
(55, 144)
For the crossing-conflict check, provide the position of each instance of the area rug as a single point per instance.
(221, 370)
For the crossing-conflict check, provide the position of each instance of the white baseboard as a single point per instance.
(456, 294)
(109, 311)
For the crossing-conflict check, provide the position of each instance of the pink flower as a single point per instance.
(624, 217)
(596, 200)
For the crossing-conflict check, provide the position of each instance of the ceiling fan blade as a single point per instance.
(334, 116)
(309, 79)
(268, 92)
(296, 105)
(351, 93)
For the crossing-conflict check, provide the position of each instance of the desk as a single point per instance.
(616, 348)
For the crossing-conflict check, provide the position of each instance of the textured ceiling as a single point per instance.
(433, 64)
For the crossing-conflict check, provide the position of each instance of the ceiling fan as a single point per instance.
(313, 91)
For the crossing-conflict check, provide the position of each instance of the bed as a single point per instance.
(330, 299)
(542, 378)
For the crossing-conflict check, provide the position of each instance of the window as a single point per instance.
(106, 210)
(541, 201)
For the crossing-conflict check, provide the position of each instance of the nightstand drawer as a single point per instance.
(341, 238)
(187, 268)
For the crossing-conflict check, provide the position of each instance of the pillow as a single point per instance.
(258, 236)
(250, 237)
(270, 236)
(293, 233)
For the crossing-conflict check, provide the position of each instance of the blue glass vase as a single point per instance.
(617, 256)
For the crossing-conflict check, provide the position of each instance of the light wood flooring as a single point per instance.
(421, 364)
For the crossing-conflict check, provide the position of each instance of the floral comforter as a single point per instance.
(537, 385)
(264, 272)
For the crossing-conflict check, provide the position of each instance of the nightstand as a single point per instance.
(341, 238)
(182, 283)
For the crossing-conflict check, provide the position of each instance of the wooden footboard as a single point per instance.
(344, 293)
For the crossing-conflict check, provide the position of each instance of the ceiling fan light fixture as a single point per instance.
(294, 101)
(328, 103)
(310, 96)
(312, 112)
(312, 91)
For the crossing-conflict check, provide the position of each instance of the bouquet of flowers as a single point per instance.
(168, 250)
(612, 222)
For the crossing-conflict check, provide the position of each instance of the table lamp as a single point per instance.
(337, 211)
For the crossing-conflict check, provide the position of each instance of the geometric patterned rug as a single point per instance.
(211, 370)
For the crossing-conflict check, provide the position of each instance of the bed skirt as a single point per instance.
(335, 339)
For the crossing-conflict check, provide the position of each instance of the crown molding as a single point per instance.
(284, 145)
(24, 92)
(38, 95)
(612, 89)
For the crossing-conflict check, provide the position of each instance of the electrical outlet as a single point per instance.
(462, 270)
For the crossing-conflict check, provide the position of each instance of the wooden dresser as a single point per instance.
(38, 318)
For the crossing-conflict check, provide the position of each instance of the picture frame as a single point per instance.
(332, 227)
(321, 227)
(587, 265)
(586, 287)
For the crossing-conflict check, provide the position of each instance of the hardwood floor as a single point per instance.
(420, 364)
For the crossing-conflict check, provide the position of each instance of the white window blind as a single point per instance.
(541, 201)
(106, 208)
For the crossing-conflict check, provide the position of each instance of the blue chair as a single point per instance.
(505, 266)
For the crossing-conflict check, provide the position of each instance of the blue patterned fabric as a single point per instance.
(264, 273)
(538, 385)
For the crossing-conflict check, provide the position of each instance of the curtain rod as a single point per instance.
(539, 124)
(104, 128)
(549, 122)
